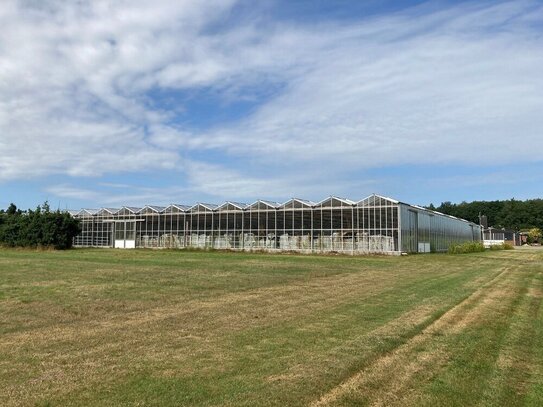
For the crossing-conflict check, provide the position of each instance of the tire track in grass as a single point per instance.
(382, 382)
(534, 392)
(516, 363)
(415, 313)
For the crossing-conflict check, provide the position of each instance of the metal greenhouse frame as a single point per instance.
(375, 224)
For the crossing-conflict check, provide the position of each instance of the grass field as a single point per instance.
(172, 328)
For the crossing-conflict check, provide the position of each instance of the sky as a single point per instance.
(134, 102)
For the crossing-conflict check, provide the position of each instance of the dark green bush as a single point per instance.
(466, 247)
(39, 228)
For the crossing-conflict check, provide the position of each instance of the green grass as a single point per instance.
(173, 328)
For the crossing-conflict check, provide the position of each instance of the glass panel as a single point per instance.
(130, 228)
(119, 230)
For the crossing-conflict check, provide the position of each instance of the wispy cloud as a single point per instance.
(459, 86)
(118, 196)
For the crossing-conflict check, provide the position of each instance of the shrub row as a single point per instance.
(467, 247)
(39, 228)
(474, 247)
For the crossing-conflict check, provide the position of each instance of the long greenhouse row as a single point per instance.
(373, 225)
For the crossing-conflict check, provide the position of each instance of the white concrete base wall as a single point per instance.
(489, 243)
(125, 244)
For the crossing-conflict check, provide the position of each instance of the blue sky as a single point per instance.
(110, 103)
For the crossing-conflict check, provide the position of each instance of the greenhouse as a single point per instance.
(375, 224)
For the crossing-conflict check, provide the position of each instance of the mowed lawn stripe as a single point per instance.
(517, 361)
(397, 377)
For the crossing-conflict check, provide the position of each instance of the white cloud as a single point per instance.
(69, 76)
(462, 85)
(117, 195)
(71, 192)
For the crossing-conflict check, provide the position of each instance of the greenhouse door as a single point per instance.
(125, 235)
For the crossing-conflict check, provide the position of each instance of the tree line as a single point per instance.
(37, 228)
(510, 214)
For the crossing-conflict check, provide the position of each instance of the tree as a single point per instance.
(39, 227)
(510, 214)
(534, 235)
(12, 209)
